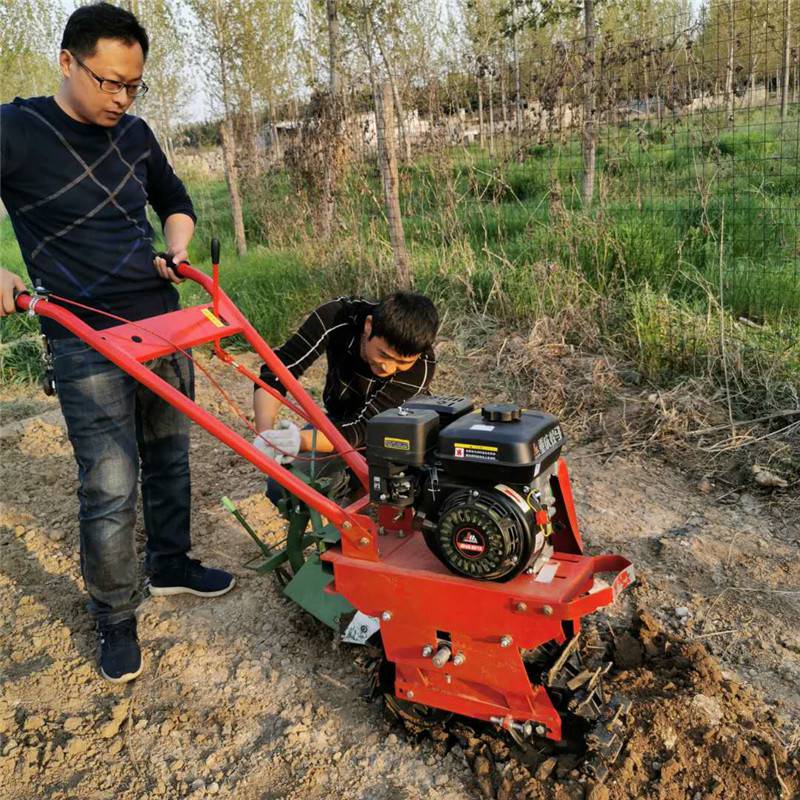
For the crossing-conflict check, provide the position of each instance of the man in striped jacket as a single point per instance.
(379, 355)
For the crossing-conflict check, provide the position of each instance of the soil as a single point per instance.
(245, 696)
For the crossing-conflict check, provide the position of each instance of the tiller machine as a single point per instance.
(461, 559)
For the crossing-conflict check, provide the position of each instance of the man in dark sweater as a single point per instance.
(379, 355)
(76, 175)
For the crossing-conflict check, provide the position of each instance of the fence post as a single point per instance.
(387, 159)
(589, 133)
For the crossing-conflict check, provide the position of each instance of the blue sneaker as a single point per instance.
(120, 656)
(189, 576)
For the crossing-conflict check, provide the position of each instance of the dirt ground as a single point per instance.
(246, 697)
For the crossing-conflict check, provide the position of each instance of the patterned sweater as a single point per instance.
(77, 196)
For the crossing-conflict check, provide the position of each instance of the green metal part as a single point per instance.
(308, 589)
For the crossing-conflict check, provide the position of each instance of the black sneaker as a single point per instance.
(189, 576)
(120, 656)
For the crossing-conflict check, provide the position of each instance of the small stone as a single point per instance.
(5, 725)
(33, 723)
(682, 611)
(545, 769)
(709, 707)
(111, 728)
(596, 791)
(212, 787)
(656, 765)
(56, 534)
(198, 784)
(72, 724)
(704, 486)
(76, 746)
(337, 755)
(115, 747)
(481, 766)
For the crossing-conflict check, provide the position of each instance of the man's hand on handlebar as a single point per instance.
(166, 272)
(9, 284)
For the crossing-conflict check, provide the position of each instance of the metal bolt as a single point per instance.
(506, 641)
(381, 531)
(548, 611)
(448, 678)
(363, 541)
(347, 525)
(386, 616)
(540, 730)
(529, 571)
(475, 493)
(442, 656)
(410, 694)
(459, 659)
(521, 606)
(427, 651)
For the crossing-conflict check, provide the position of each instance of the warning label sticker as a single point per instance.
(396, 444)
(483, 452)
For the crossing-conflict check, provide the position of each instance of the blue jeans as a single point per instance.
(114, 423)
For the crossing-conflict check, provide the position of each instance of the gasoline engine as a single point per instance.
(479, 482)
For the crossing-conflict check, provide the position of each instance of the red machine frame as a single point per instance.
(385, 569)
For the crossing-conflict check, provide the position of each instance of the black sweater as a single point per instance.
(77, 196)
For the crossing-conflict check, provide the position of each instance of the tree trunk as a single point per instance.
(589, 132)
(491, 116)
(481, 135)
(504, 100)
(333, 47)
(398, 103)
(787, 12)
(232, 179)
(327, 211)
(387, 159)
(517, 90)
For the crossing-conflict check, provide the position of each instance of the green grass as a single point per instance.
(688, 216)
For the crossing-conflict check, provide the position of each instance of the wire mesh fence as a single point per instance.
(660, 153)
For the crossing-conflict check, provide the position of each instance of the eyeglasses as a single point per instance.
(115, 87)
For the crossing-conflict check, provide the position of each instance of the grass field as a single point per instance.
(691, 251)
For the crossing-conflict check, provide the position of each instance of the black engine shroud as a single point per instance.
(479, 481)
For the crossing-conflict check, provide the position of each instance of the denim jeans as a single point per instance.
(114, 423)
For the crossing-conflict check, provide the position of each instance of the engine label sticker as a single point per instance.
(361, 627)
(512, 495)
(394, 443)
(481, 427)
(481, 452)
(469, 542)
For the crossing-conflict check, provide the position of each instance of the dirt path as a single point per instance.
(246, 697)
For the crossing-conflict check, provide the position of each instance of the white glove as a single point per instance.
(281, 443)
